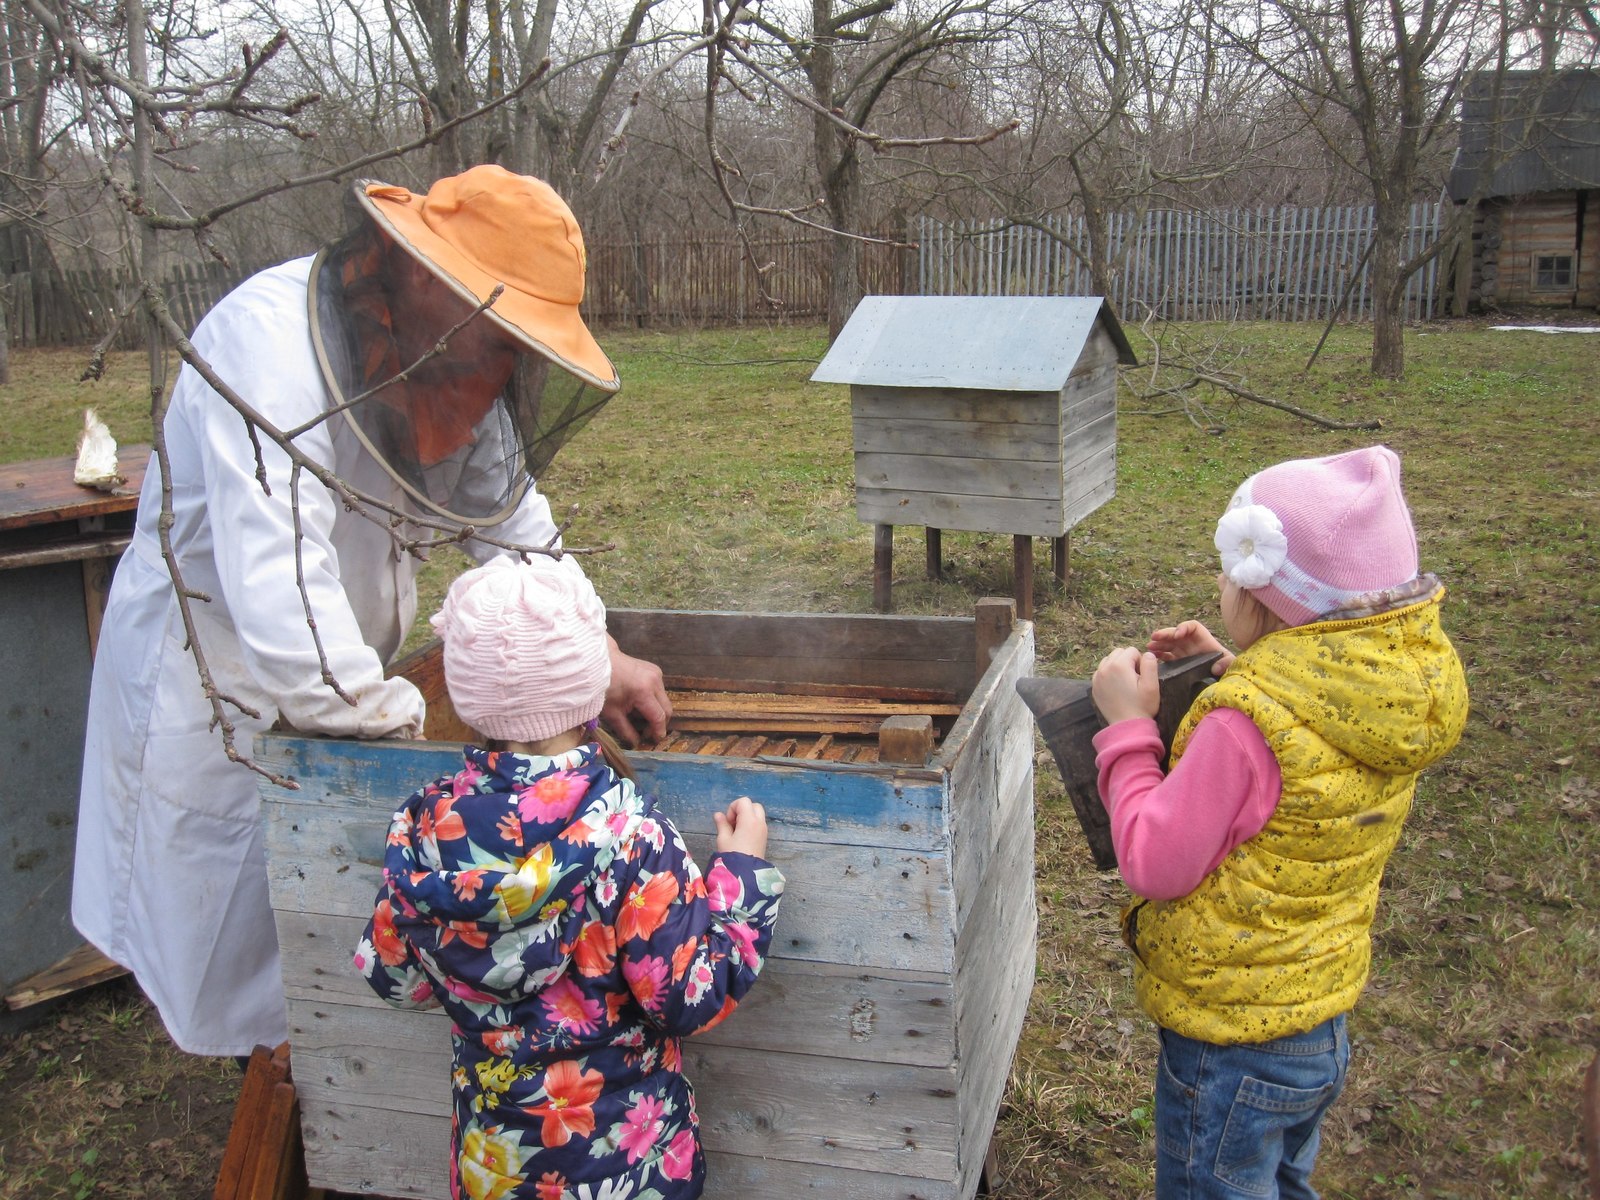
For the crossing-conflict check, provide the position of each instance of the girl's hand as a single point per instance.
(742, 829)
(1125, 685)
(1190, 637)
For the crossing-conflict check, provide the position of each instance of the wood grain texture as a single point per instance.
(969, 514)
(413, 1163)
(991, 771)
(41, 491)
(860, 905)
(797, 1107)
(937, 439)
(976, 405)
(827, 1009)
(883, 805)
(915, 652)
(959, 475)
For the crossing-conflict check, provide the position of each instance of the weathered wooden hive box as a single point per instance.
(992, 414)
(869, 1060)
(59, 544)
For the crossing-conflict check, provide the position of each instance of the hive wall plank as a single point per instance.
(816, 1008)
(409, 1148)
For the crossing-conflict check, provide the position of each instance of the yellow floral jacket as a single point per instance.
(1276, 939)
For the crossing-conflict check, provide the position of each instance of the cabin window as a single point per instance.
(1552, 272)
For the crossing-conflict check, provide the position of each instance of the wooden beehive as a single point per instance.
(991, 414)
(59, 545)
(869, 1060)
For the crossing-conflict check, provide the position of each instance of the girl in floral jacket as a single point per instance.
(557, 916)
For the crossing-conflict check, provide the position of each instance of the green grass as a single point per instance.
(724, 480)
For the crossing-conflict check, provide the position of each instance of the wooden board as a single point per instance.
(974, 405)
(848, 1112)
(42, 491)
(1011, 479)
(920, 652)
(970, 514)
(83, 967)
(413, 1156)
(867, 906)
(884, 805)
(978, 439)
(994, 766)
(835, 1011)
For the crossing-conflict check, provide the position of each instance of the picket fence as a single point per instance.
(1285, 264)
(725, 280)
(1292, 264)
(714, 280)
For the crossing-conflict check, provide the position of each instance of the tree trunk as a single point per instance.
(842, 189)
(844, 287)
(1388, 294)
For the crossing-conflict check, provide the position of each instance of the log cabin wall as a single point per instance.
(1540, 250)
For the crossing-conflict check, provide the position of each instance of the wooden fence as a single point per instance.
(1288, 264)
(78, 308)
(653, 281)
(1284, 264)
(721, 280)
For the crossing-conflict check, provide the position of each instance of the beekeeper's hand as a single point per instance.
(742, 829)
(636, 702)
(1126, 685)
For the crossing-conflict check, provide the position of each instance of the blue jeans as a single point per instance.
(1245, 1121)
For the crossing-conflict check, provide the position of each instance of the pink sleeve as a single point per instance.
(1171, 831)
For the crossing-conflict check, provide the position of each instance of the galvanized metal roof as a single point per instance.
(997, 343)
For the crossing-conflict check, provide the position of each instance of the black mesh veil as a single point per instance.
(483, 480)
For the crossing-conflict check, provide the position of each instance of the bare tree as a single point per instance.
(838, 63)
(1129, 109)
(1379, 80)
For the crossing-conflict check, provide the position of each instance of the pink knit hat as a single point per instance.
(1307, 537)
(525, 650)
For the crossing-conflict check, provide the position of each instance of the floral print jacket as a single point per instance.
(560, 921)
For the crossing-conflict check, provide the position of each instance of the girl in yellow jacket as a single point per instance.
(1255, 858)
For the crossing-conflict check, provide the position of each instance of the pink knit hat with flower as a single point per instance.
(1309, 536)
(525, 650)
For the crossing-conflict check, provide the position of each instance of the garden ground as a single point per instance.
(724, 480)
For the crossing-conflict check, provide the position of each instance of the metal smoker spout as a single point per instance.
(1068, 720)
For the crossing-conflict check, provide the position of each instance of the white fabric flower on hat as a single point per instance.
(1251, 540)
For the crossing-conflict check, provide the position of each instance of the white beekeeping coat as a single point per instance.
(170, 878)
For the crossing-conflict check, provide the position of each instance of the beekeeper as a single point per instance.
(170, 878)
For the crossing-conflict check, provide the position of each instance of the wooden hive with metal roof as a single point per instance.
(989, 414)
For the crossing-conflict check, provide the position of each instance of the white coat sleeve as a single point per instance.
(254, 538)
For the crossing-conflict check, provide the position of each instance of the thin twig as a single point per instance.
(305, 595)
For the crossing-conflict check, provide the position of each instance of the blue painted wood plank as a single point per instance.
(838, 802)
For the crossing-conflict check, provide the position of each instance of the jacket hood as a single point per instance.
(1389, 690)
(504, 856)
